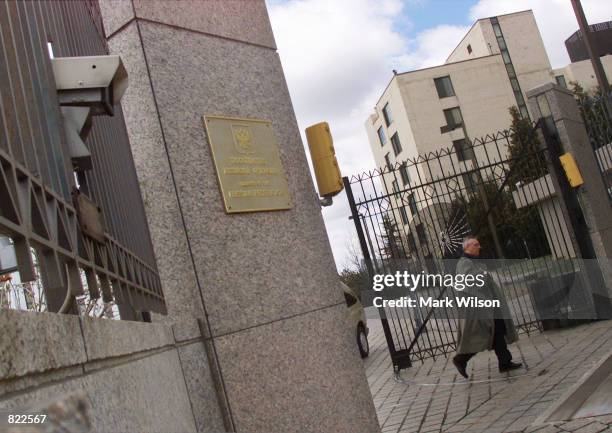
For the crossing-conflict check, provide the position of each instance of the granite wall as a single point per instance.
(256, 336)
(129, 374)
(262, 285)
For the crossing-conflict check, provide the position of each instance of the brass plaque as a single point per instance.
(251, 175)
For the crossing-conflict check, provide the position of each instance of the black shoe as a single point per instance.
(510, 366)
(460, 368)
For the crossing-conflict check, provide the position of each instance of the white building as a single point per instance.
(497, 61)
(489, 71)
(582, 73)
(580, 70)
(469, 96)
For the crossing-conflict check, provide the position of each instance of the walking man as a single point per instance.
(479, 328)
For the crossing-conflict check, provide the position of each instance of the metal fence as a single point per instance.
(597, 115)
(413, 216)
(38, 210)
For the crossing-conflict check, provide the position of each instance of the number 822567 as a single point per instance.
(26, 419)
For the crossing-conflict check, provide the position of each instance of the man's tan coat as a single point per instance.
(477, 324)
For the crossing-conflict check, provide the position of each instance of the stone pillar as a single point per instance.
(262, 285)
(592, 195)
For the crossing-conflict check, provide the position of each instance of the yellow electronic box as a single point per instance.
(571, 170)
(327, 172)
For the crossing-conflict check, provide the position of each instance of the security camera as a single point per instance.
(86, 87)
(97, 82)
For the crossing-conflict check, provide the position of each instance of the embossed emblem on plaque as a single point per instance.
(243, 139)
(250, 173)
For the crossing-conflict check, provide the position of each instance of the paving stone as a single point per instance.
(513, 404)
(456, 429)
(594, 427)
(575, 424)
(605, 419)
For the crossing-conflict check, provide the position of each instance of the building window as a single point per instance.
(560, 79)
(515, 85)
(506, 57)
(412, 204)
(381, 136)
(404, 173)
(388, 161)
(453, 117)
(387, 114)
(404, 215)
(395, 186)
(503, 49)
(463, 150)
(395, 142)
(469, 48)
(519, 97)
(511, 71)
(496, 27)
(444, 87)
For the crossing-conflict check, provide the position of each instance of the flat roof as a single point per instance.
(597, 27)
(432, 67)
(453, 63)
(482, 19)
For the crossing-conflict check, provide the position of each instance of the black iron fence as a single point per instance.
(52, 263)
(597, 115)
(414, 215)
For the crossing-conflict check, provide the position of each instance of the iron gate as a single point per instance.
(596, 113)
(414, 215)
(59, 265)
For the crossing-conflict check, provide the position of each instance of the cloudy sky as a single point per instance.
(338, 56)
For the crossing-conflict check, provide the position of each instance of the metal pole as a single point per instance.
(600, 74)
(398, 361)
(483, 193)
(357, 221)
(592, 273)
(567, 195)
(367, 232)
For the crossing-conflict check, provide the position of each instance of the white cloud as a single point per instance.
(338, 56)
(555, 19)
(431, 47)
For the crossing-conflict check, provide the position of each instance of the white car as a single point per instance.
(357, 317)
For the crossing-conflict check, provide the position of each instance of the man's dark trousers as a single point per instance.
(499, 345)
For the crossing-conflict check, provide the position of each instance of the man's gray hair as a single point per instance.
(467, 240)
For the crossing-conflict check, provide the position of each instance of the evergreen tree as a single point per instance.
(596, 110)
(524, 151)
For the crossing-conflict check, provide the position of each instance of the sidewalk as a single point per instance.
(435, 398)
